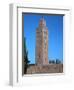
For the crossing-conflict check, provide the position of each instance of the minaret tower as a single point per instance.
(42, 43)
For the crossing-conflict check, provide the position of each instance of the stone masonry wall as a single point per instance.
(51, 68)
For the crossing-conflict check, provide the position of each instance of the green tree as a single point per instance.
(58, 61)
(26, 61)
(52, 61)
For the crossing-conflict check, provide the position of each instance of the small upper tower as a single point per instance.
(42, 43)
(42, 22)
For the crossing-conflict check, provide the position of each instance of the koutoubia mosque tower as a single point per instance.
(42, 43)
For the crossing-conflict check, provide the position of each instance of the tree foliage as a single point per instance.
(26, 61)
(52, 61)
(57, 61)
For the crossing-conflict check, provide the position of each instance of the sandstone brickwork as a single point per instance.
(42, 43)
(51, 68)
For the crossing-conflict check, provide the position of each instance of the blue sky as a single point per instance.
(54, 24)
